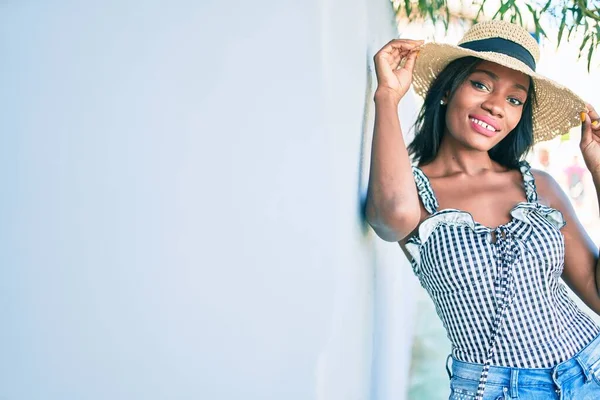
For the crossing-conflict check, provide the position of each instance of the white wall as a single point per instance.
(181, 195)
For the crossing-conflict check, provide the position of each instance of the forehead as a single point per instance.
(504, 73)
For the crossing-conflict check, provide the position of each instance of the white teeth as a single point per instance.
(483, 124)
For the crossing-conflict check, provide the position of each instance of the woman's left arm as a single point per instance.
(582, 268)
(581, 253)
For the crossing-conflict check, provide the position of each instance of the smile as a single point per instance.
(483, 124)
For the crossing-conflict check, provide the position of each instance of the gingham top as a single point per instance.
(499, 296)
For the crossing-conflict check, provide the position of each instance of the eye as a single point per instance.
(515, 101)
(479, 86)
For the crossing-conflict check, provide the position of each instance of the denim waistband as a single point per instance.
(512, 376)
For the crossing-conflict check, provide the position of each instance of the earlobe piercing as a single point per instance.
(442, 103)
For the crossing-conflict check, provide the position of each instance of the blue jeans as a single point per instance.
(577, 378)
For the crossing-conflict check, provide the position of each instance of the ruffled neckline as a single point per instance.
(518, 213)
(455, 217)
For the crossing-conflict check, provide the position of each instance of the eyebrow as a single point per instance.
(496, 78)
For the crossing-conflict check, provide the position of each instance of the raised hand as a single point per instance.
(394, 65)
(590, 139)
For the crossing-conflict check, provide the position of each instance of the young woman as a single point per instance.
(487, 236)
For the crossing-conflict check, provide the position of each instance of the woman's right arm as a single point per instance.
(392, 207)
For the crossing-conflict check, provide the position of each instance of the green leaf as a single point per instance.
(502, 10)
(479, 11)
(538, 28)
(543, 10)
(562, 26)
(578, 16)
(572, 28)
(447, 18)
(536, 21)
(585, 40)
(407, 7)
(518, 13)
(590, 52)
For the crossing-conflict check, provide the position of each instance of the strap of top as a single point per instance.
(430, 201)
(528, 181)
(425, 191)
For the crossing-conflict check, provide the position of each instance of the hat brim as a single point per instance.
(557, 109)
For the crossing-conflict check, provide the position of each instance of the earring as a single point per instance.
(442, 103)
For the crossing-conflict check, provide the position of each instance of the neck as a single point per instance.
(454, 157)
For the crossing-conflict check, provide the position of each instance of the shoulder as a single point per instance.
(542, 178)
(549, 191)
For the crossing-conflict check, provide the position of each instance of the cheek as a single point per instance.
(451, 119)
(514, 116)
(455, 113)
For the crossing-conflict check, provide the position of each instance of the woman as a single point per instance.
(487, 236)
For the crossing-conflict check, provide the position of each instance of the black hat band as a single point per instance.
(500, 45)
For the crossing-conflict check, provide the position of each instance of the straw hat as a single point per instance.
(558, 108)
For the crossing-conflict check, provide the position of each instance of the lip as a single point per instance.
(480, 129)
(487, 120)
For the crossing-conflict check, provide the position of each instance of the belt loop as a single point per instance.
(514, 383)
(555, 374)
(448, 369)
(584, 368)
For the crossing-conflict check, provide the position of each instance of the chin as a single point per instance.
(481, 143)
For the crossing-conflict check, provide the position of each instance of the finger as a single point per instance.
(400, 50)
(391, 51)
(592, 112)
(395, 62)
(594, 117)
(385, 57)
(406, 41)
(410, 61)
(404, 46)
(394, 57)
(586, 129)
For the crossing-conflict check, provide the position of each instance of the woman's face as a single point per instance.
(487, 106)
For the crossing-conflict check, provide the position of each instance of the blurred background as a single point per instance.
(182, 199)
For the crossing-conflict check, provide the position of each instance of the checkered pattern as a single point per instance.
(497, 291)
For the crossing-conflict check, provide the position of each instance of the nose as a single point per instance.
(494, 104)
